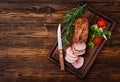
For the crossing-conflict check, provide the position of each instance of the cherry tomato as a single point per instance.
(97, 40)
(101, 23)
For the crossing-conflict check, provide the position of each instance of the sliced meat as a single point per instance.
(70, 52)
(80, 30)
(74, 50)
(79, 53)
(79, 46)
(79, 63)
(68, 60)
(71, 58)
(79, 38)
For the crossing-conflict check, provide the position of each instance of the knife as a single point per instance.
(61, 59)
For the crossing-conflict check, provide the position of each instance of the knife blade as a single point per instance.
(59, 39)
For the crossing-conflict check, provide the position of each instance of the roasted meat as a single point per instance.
(80, 30)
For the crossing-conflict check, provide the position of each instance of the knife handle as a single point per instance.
(61, 59)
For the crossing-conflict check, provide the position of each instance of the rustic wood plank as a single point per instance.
(28, 30)
(36, 11)
(46, 1)
(36, 7)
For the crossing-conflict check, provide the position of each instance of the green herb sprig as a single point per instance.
(69, 21)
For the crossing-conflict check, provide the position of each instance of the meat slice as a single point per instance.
(79, 53)
(70, 52)
(71, 58)
(79, 63)
(79, 46)
(68, 60)
(80, 30)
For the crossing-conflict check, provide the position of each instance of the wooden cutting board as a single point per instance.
(91, 53)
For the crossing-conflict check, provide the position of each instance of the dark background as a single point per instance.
(28, 31)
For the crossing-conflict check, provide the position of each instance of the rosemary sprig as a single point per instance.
(69, 20)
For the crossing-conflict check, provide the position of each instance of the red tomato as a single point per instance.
(97, 40)
(101, 23)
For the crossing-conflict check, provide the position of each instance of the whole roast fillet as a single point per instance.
(80, 33)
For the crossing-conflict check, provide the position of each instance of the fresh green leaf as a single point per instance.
(91, 44)
(94, 31)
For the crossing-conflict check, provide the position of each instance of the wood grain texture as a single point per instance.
(28, 31)
(34, 1)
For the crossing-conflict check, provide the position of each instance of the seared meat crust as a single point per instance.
(80, 30)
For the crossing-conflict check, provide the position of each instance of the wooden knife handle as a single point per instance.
(61, 59)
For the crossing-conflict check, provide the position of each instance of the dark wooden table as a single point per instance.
(28, 31)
